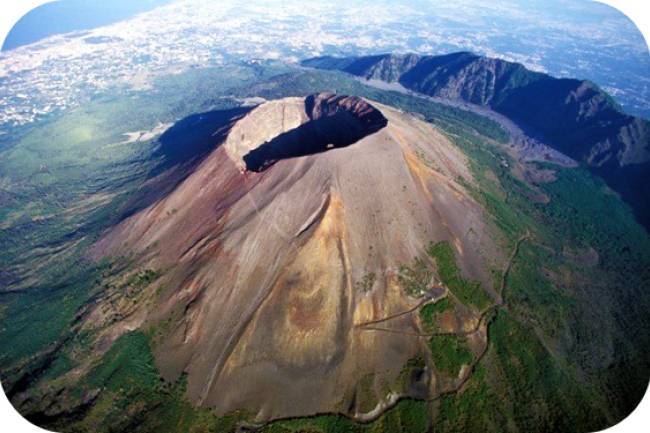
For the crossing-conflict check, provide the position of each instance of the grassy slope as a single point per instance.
(533, 378)
(468, 292)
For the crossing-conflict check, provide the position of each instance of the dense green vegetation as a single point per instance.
(478, 408)
(518, 386)
(450, 353)
(32, 323)
(429, 313)
(127, 365)
(468, 292)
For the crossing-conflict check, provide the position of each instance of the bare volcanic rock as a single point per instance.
(262, 248)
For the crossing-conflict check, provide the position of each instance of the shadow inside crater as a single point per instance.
(339, 129)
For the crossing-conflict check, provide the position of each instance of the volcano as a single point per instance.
(284, 240)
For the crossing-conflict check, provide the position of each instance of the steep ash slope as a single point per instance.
(266, 245)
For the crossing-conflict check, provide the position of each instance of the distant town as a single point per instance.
(64, 70)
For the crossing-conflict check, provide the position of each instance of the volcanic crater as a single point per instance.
(296, 127)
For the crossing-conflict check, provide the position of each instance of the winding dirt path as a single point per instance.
(423, 301)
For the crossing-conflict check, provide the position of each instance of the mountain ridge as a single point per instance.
(574, 116)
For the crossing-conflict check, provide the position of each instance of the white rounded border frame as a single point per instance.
(638, 11)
